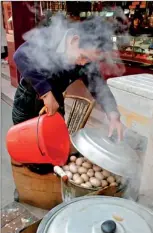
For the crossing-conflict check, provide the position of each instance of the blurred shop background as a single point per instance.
(137, 56)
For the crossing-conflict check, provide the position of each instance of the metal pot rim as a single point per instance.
(118, 158)
(43, 227)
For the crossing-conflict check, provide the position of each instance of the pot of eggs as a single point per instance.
(101, 166)
(86, 178)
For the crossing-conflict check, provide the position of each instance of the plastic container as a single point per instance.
(44, 139)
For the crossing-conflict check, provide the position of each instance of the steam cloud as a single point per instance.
(95, 33)
(46, 49)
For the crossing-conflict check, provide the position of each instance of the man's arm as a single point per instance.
(98, 88)
(101, 92)
(38, 79)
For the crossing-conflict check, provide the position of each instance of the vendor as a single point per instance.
(136, 26)
(41, 86)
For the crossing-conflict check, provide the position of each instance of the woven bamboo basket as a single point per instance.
(71, 190)
(42, 191)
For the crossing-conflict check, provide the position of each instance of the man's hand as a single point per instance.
(115, 123)
(50, 103)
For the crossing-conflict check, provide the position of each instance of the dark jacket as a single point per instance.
(44, 80)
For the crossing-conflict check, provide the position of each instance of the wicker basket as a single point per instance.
(42, 191)
(71, 190)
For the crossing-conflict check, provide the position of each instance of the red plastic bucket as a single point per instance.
(44, 139)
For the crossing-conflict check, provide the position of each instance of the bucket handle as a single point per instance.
(42, 111)
(42, 153)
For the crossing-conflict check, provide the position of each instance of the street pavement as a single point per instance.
(7, 183)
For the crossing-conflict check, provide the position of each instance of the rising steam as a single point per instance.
(95, 33)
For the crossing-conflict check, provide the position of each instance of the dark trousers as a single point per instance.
(5, 53)
(26, 106)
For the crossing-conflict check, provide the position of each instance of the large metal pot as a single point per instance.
(98, 215)
(116, 157)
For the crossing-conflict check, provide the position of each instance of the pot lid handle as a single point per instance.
(108, 227)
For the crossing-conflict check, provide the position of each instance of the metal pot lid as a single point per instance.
(116, 157)
(98, 215)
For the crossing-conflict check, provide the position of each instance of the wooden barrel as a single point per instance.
(42, 191)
